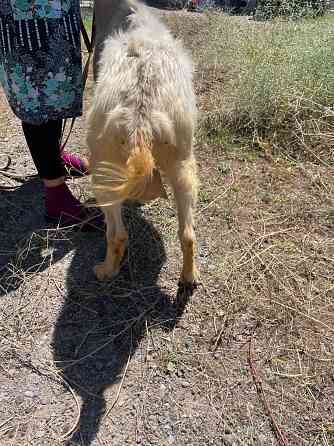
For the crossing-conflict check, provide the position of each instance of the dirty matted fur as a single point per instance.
(140, 124)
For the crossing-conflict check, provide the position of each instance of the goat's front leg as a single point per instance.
(183, 179)
(117, 238)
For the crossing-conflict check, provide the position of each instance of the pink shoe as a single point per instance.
(74, 165)
(63, 209)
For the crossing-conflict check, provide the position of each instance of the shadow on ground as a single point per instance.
(21, 210)
(101, 325)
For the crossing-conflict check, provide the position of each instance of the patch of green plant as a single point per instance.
(203, 197)
(279, 87)
(268, 9)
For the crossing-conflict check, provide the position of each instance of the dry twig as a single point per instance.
(258, 384)
(119, 388)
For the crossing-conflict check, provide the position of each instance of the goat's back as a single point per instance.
(145, 79)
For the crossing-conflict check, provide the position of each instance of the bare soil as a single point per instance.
(134, 362)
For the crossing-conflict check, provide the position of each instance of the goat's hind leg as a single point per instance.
(116, 233)
(183, 178)
(117, 238)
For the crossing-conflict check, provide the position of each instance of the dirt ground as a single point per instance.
(247, 360)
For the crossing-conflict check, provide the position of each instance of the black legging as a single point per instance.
(44, 145)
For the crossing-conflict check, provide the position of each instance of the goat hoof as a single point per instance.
(103, 272)
(185, 290)
(190, 281)
(188, 285)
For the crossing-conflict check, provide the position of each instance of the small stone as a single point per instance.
(30, 394)
(171, 367)
(19, 399)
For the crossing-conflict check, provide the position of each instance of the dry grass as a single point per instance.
(277, 84)
(128, 364)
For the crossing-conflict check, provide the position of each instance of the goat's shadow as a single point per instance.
(101, 325)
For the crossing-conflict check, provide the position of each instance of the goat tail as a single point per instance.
(127, 182)
(138, 171)
(138, 179)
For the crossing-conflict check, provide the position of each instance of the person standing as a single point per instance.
(41, 75)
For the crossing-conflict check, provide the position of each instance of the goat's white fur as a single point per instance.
(141, 122)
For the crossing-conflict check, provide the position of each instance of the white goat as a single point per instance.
(141, 123)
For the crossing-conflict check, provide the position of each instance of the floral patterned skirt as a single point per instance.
(40, 58)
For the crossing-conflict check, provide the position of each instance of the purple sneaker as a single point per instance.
(63, 209)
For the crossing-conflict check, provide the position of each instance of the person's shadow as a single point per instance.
(28, 244)
(102, 324)
(24, 234)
